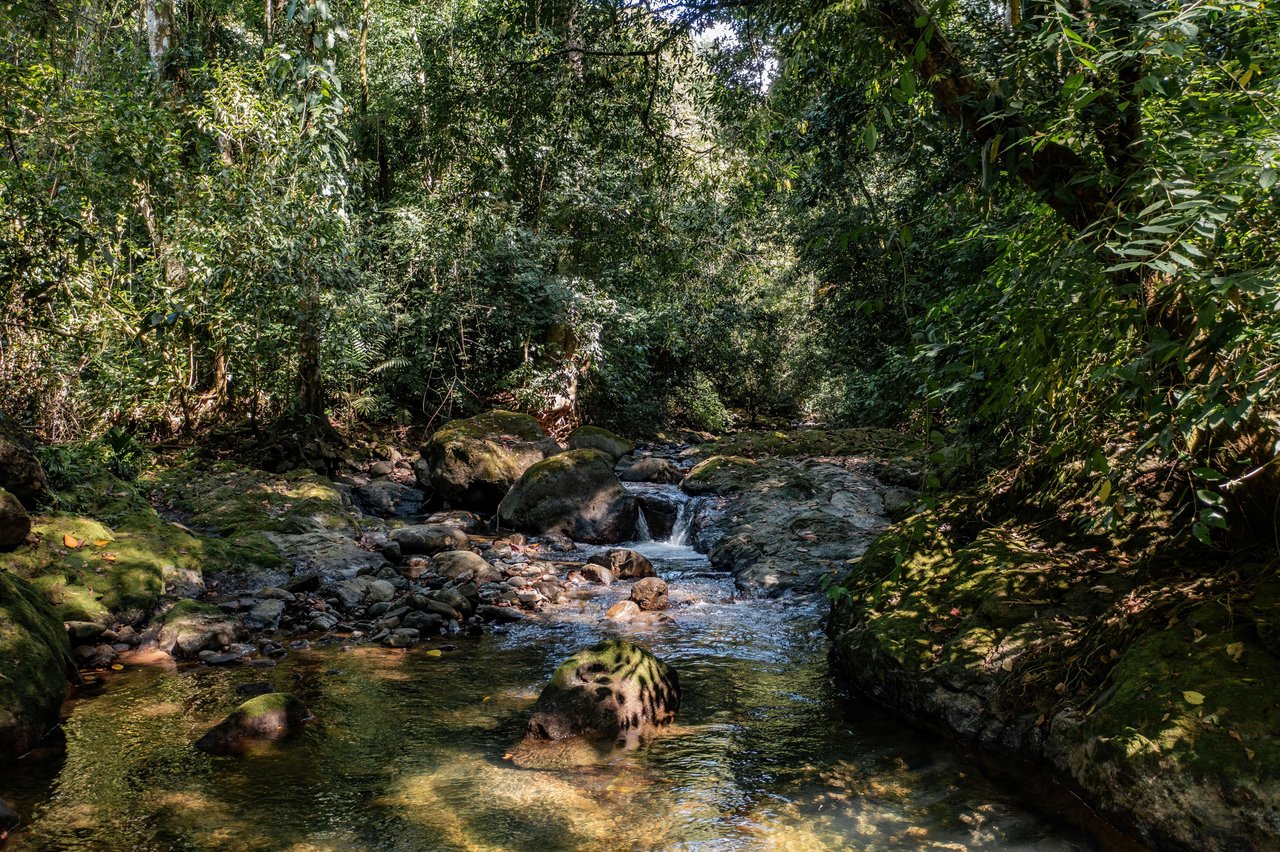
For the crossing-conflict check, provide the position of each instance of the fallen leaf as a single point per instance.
(486, 698)
(102, 542)
(435, 652)
(1250, 753)
(117, 667)
(1235, 651)
(1235, 735)
(1193, 697)
(109, 557)
(68, 540)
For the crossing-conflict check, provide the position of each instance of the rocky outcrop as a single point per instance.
(1154, 696)
(595, 438)
(782, 525)
(574, 494)
(34, 664)
(15, 523)
(614, 691)
(20, 471)
(472, 463)
(267, 717)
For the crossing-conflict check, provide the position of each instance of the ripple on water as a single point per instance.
(407, 752)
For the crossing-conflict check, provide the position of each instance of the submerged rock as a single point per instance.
(614, 691)
(595, 438)
(574, 494)
(34, 657)
(267, 717)
(474, 462)
(624, 564)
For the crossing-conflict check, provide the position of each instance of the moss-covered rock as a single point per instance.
(472, 463)
(190, 627)
(267, 717)
(15, 523)
(719, 475)
(614, 691)
(574, 494)
(34, 662)
(1154, 696)
(596, 438)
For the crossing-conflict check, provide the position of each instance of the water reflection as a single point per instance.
(408, 751)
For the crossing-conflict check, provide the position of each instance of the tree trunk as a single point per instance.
(159, 17)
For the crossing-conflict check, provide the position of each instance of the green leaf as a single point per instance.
(1193, 697)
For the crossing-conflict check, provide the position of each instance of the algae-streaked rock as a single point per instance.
(473, 462)
(574, 494)
(596, 438)
(267, 717)
(718, 475)
(34, 663)
(613, 691)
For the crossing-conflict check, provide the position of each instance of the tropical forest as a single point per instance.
(640, 425)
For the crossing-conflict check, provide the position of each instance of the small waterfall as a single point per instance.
(643, 533)
(684, 520)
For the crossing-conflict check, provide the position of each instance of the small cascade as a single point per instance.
(643, 533)
(684, 520)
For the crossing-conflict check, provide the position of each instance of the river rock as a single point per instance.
(468, 522)
(267, 717)
(595, 438)
(426, 623)
(190, 627)
(453, 598)
(430, 538)
(386, 498)
(15, 523)
(474, 462)
(34, 664)
(597, 574)
(622, 611)
(652, 469)
(624, 564)
(465, 565)
(614, 690)
(265, 613)
(20, 471)
(500, 614)
(650, 594)
(573, 494)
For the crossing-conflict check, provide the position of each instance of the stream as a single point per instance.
(407, 752)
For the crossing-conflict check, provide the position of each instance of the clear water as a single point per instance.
(408, 751)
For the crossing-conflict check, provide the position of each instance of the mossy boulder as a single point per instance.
(613, 691)
(718, 475)
(20, 471)
(15, 523)
(190, 627)
(574, 494)
(596, 438)
(267, 717)
(472, 463)
(34, 664)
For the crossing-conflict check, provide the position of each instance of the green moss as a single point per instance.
(272, 702)
(719, 475)
(564, 462)
(188, 608)
(491, 423)
(33, 652)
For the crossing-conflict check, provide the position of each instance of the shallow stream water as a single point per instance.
(407, 752)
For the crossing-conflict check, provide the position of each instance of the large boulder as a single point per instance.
(595, 438)
(624, 564)
(650, 594)
(474, 462)
(190, 627)
(34, 664)
(615, 691)
(15, 523)
(429, 538)
(465, 565)
(573, 494)
(20, 470)
(267, 717)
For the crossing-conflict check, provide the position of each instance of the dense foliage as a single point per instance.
(1017, 229)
